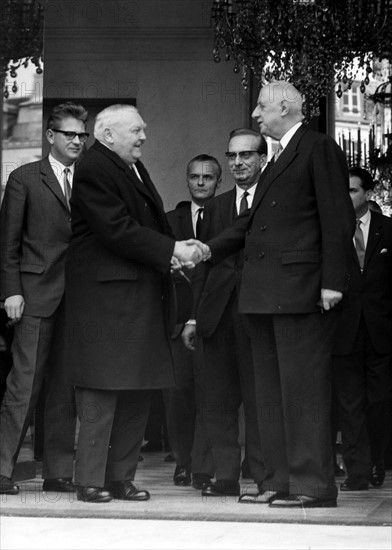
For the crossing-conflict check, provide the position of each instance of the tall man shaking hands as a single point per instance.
(118, 304)
(297, 241)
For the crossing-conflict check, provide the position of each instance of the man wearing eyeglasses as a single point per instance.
(35, 231)
(227, 373)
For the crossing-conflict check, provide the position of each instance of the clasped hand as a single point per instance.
(189, 253)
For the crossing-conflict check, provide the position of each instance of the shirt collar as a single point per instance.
(365, 219)
(239, 191)
(58, 167)
(289, 134)
(195, 209)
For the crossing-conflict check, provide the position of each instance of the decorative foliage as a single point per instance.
(312, 43)
(21, 36)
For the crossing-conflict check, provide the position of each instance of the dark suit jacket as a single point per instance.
(298, 234)
(35, 231)
(180, 221)
(370, 292)
(118, 284)
(214, 287)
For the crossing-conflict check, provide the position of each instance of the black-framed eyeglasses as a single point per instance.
(243, 155)
(69, 136)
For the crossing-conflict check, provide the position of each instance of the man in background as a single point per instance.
(187, 432)
(227, 370)
(363, 344)
(35, 232)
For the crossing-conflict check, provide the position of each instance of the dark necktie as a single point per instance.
(359, 243)
(244, 203)
(199, 222)
(67, 186)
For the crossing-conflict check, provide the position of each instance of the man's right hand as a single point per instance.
(14, 306)
(189, 337)
(189, 253)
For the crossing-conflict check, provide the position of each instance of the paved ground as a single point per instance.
(34, 519)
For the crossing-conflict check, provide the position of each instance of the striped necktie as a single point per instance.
(359, 244)
(67, 187)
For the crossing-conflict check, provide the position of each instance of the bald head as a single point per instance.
(279, 108)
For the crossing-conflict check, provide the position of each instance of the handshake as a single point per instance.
(188, 254)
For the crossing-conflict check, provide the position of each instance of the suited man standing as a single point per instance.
(297, 243)
(119, 301)
(35, 231)
(187, 433)
(227, 370)
(363, 345)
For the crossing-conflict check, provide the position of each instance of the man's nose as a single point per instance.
(255, 113)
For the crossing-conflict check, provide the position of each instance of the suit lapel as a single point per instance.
(50, 180)
(375, 232)
(274, 170)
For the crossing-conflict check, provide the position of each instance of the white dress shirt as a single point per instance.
(58, 169)
(249, 198)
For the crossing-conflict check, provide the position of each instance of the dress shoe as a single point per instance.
(245, 470)
(355, 483)
(182, 476)
(201, 481)
(93, 494)
(378, 475)
(169, 458)
(152, 447)
(59, 485)
(7, 486)
(263, 497)
(339, 472)
(222, 487)
(126, 490)
(302, 501)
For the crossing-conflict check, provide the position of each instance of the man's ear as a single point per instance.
(263, 161)
(284, 108)
(50, 136)
(107, 134)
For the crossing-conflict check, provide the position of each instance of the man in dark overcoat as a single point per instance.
(119, 295)
(297, 244)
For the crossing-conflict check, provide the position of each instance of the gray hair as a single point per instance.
(110, 116)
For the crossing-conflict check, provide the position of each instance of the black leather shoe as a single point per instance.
(152, 447)
(59, 485)
(355, 483)
(263, 497)
(201, 481)
(93, 494)
(339, 472)
(302, 501)
(245, 470)
(169, 458)
(182, 476)
(222, 487)
(378, 476)
(126, 490)
(7, 486)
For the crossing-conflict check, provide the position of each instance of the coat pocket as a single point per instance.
(31, 268)
(117, 273)
(300, 256)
